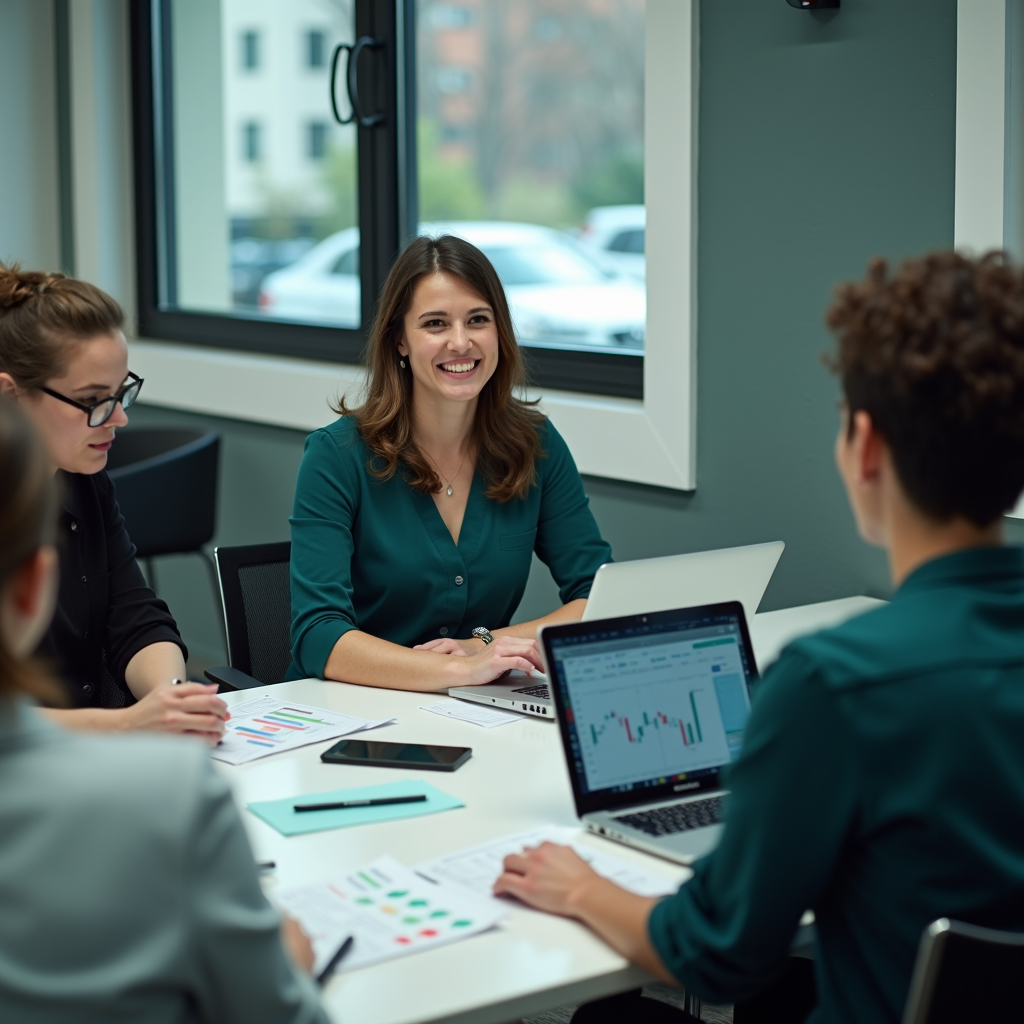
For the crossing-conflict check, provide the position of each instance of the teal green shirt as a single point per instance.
(376, 555)
(881, 784)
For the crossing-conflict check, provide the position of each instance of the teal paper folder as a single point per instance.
(281, 814)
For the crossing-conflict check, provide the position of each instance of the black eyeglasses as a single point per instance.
(99, 412)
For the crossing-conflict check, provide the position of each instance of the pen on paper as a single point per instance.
(344, 805)
(345, 946)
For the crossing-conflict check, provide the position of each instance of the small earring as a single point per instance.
(401, 363)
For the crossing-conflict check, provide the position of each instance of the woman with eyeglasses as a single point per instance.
(113, 642)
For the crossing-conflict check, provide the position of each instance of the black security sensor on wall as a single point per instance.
(813, 5)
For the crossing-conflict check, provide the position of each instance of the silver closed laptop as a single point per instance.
(683, 581)
(651, 710)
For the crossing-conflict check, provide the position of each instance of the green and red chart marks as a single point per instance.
(389, 910)
(268, 725)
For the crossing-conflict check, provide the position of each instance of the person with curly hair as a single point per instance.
(881, 782)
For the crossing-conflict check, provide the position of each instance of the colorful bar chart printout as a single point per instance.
(268, 725)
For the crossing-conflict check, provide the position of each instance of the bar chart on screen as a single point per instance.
(648, 713)
(268, 725)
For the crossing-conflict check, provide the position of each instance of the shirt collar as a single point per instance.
(980, 566)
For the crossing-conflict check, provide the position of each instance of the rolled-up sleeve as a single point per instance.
(135, 616)
(568, 539)
(326, 503)
(727, 932)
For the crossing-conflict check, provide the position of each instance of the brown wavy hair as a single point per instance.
(42, 315)
(506, 428)
(934, 353)
(28, 521)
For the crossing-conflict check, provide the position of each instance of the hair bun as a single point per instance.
(18, 287)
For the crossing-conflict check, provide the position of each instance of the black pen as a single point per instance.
(342, 805)
(346, 945)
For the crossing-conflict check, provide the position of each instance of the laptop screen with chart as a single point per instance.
(651, 705)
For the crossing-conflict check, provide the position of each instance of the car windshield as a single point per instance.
(542, 264)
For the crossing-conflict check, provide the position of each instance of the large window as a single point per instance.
(266, 223)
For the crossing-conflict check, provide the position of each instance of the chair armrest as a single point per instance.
(231, 678)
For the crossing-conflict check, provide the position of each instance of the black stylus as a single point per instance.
(346, 945)
(342, 805)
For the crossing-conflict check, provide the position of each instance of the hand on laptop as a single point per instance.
(504, 655)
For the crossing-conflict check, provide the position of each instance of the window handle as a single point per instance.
(353, 50)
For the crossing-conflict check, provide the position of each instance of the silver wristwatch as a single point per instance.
(483, 633)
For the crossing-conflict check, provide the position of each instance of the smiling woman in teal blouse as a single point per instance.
(417, 514)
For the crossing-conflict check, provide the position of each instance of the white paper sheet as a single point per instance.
(478, 867)
(478, 714)
(389, 910)
(269, 725)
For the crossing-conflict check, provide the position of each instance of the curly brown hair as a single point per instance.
(934, 353)
(506, 428)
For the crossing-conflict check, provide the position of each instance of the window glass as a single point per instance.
(530, 138)
(258, 173)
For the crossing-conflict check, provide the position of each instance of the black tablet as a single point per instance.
(397, 755)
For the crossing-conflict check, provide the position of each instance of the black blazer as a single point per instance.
(105, 612)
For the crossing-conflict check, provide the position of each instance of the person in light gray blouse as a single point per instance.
(127, 886)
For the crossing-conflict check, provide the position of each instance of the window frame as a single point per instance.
(989, 96)
(387, 204)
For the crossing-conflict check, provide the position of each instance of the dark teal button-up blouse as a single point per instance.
(881, 785)
(376, 556)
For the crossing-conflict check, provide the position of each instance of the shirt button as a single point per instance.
(458, 581)
(83, 579)
(74, 526)
(87, 688)
(443, 631)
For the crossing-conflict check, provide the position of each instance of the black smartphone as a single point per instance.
(397, 755)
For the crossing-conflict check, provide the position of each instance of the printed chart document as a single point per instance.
(478, 714)
(268, 725)
(478, 868)
(389, 910)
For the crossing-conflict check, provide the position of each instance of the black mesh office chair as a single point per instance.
(966, 973)
(166, 484)
(256, 594)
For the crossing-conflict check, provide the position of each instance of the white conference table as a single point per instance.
(515, 781)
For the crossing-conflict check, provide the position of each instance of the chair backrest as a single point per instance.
(166, 484)
(966, 973)
(256, 594)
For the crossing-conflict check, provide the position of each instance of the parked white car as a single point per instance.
(618, 233)
(560, 294)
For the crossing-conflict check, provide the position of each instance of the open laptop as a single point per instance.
(517, 692)
(647, 585)
(651, 710)
(682, 581)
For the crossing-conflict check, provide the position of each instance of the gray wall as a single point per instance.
(29, 210)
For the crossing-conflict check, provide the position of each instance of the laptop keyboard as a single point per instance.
(663, 821)
(540, 690)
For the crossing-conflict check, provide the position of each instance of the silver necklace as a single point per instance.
(449, 492)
